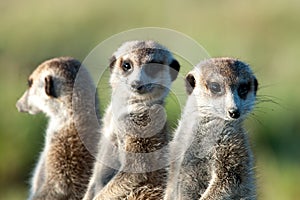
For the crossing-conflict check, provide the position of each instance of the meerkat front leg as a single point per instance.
(102, 172)
(217, 190)
(178, 148)
(172, 190)
(107, 154)
(38, 176)
(231, 176)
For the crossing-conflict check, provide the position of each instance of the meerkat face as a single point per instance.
(223, 87)
(40, 88)
(48, 85)
(143, 69)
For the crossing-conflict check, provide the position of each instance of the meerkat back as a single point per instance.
(215, 160)
(63, 90)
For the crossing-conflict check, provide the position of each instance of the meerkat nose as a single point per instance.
(20, 105)
(138, 86)
(234, 113)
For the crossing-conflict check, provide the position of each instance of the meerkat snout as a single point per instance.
(234, 113)
(22, 106)
(141, 88)
(137, 85)
(144, 81)
(22, 103)
(233, 105)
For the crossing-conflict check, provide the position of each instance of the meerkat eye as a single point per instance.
(29, 82)
(243, 90)
(126, 66)
(214, 87)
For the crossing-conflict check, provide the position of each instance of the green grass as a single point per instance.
(263, 33)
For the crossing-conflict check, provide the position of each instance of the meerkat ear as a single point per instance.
(255, 85)
(175, 67)
(49, 87)
(112, 62)
(190, 83)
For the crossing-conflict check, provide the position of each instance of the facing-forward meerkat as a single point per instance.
(63, 90)
(134, 126)
(211, 157)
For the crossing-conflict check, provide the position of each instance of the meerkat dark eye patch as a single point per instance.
(29, 82)
(243, 90)
(214, 87)
(174, 69)
(126, 65)
(190, 83)
(49, 87)
(152, 69)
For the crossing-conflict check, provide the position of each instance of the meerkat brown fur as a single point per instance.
(134, 125)
(65, 164)
(211, 157)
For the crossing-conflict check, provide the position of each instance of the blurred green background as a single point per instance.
(266, 34)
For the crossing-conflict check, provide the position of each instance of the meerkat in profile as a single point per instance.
(63, 90)
(134, 127)
(211, 155)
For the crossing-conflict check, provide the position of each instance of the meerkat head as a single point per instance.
(144, 70)
(223, 87)
(50, 87)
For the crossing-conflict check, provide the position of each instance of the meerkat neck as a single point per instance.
(68, 116)
(190, 114)
(57, 122)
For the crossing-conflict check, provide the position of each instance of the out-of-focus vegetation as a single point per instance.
(266, 34)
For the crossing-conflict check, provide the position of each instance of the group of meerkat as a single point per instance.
(208, 158)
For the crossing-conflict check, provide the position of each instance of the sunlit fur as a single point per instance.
(65, 164)
(210, 153)
(130, 106)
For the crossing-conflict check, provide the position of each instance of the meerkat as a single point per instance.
(134, 125)
(210, 153)
(63, 90)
